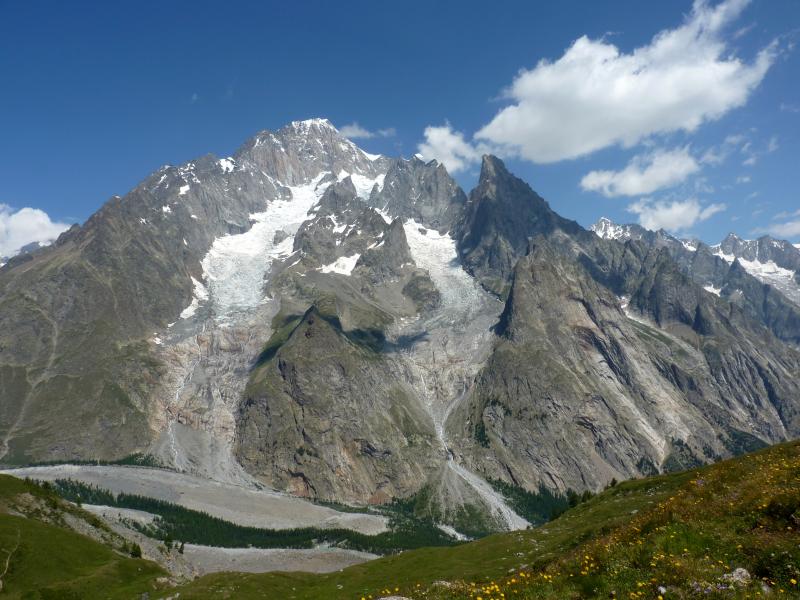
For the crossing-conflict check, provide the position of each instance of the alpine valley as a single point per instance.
(316, 329)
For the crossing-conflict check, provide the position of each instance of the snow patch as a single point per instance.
(608, 230)
(436, 253)
(336, 227)
(200, 294)
(728, 258)
(227, 164)
(362, 183)
(690, 245)
(372, 157)
(714, 290)
(343, 265)
(184, 190)
(768, 272)
(166, 209)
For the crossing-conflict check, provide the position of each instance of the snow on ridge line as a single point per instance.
(608, 230)
(343, 265)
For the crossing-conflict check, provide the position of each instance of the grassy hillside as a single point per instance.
(41, 557)
(674, 536)
(680, 532)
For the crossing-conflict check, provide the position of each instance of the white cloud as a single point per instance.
(676, 215)
(789, 229)
(719, 154)
(450, 148)
(644, 174)
(355, 131)
(596, 96)
(772, 145)
(27, 225)
(743, 179)
(786, 214)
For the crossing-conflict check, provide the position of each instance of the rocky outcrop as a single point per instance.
(502, 214)
(422, 192)
(765, 288)
(327, 417)
(585, 385)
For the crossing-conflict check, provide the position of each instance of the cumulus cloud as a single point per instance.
(596, 96)
(644, 174)
(677, 215)
(355, 131)
(450, 148)
(27, 225)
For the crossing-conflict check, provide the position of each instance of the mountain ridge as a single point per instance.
(353, 327)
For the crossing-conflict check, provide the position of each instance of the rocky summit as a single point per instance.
(310, 318)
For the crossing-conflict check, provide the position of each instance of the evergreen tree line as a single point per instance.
(177, 523)
(536, 507)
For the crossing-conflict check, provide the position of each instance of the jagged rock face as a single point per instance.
(773, 262)
(327, 417)
(577, 391)
(423, 192)
(301, 150)
(764, 250)
(502, 214)
(744, 272)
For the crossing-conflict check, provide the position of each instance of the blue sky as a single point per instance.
(697, 130)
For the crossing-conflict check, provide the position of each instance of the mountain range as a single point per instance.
(356, 328)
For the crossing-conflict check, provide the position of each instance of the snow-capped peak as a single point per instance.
(309, 124)
(608, 230)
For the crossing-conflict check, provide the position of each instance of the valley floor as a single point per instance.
(236, 504)
(729, 530)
